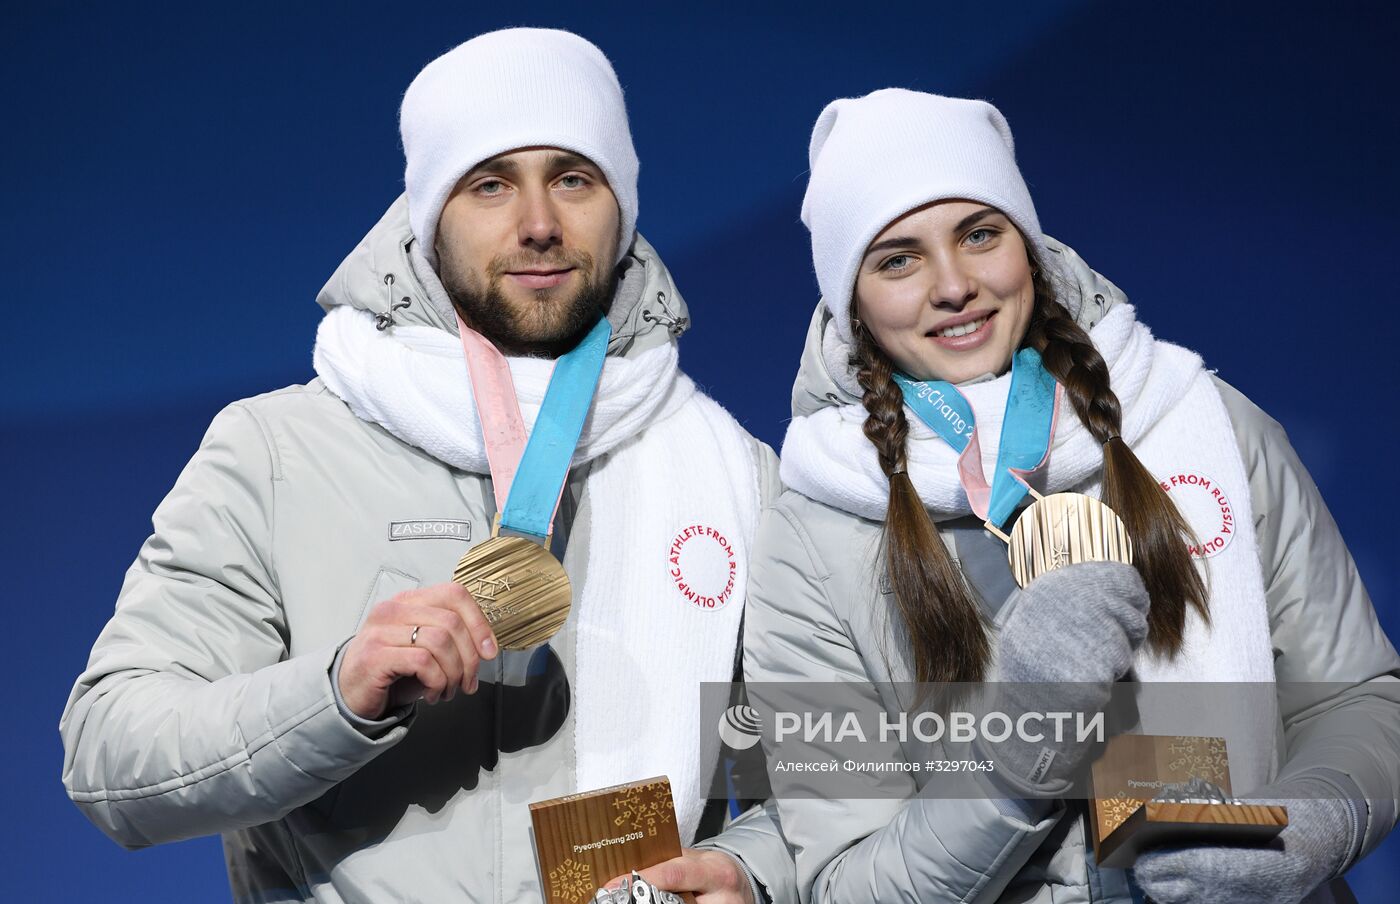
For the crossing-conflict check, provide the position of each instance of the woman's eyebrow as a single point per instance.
(905, 241)
(898, 241)
(974, 217)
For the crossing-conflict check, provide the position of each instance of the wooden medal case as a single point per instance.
(1124, 820)
(584, 840)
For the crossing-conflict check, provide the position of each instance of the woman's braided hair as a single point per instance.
(946, 627)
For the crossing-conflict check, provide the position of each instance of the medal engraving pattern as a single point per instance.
(521, 589)
(1065, 529)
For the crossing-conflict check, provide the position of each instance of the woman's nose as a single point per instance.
(953, 287)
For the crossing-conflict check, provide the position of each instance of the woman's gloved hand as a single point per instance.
(1070, 635)
(1320, 840)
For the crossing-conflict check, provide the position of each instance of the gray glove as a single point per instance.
(1074, 629)
(1324, 831)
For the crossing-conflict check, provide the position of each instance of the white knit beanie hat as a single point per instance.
(510, 89)
(875, 158)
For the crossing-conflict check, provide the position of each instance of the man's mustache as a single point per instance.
(558, 259)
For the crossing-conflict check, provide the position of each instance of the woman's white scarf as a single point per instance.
(1177, 425)
(665, 458)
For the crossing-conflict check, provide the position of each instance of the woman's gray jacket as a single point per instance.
(817, 611)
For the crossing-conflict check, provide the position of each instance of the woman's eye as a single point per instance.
(980, 236)
(898, 262)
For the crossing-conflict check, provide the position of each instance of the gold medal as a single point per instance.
(521, 588)
(1064, 529)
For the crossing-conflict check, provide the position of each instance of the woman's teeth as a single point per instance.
(964, 329)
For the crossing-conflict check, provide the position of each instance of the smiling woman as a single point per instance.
(947, 291)
(938, 284)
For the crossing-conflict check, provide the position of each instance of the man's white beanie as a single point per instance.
(877, 157)
(511, 89)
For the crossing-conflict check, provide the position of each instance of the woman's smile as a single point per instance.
(964, 332)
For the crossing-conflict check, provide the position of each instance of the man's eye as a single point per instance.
(490, 187)
(573, 180)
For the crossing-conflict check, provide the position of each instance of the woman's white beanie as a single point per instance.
(877, 157)
(511, 89)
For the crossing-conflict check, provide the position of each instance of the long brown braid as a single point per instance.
(1159, 533)
(947, 631)
(945, 623)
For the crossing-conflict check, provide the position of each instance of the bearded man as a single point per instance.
(289, 664)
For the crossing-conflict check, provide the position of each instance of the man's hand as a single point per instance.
(713, 877)
(386, 665)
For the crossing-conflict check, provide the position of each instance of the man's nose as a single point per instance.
(539, 225)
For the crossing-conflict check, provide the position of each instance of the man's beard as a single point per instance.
(546, 324)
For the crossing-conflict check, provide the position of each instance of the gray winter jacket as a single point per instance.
(206, 706)
(817, 613)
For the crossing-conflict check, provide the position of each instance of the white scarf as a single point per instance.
(827, 457)
(1178, 427)
(665, 458)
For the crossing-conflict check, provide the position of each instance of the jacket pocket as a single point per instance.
(387, 583)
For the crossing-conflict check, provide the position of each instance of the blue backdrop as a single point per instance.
(180, 181)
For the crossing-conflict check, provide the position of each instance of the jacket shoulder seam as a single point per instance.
(766, 490)
(273, 454)
(275, 461)
(808, 546)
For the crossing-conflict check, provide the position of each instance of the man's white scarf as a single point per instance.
(1177, 425)
(664, 458)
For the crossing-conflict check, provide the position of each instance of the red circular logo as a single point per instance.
(702, 565)
(1202, 502)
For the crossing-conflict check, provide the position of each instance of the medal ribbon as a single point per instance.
(1026, 431)
(528, 468)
